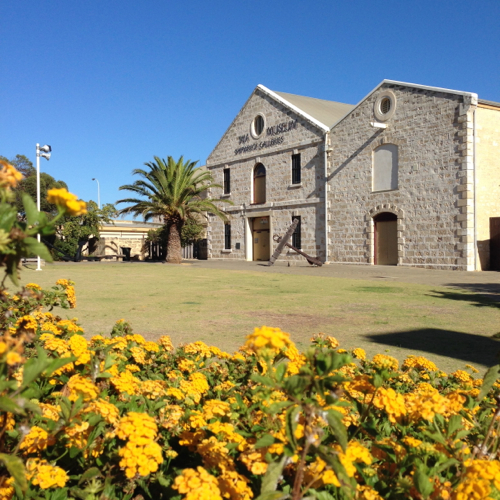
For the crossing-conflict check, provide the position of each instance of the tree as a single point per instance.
(28, 184)
(171, 190)
(73, 232)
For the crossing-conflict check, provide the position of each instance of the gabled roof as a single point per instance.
(472, 95)
(327, 112)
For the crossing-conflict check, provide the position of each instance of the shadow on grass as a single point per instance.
(465, 346)
(478, 294)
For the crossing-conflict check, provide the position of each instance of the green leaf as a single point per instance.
(280, 371)
(89, 474)
(291, 421)
(489, 379)
(266, 440)
(15, 466)
(423, 483)
(273, 495)
(8, 404)
(454, 424)
(335, 420)
(37, 248)
(30, 209)
(271, 477)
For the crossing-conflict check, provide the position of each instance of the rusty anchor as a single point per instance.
(283, 242)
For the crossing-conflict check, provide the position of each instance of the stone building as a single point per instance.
(408, 176)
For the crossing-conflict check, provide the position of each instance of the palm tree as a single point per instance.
(172, 191)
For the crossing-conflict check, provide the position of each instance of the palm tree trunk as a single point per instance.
(174, 249)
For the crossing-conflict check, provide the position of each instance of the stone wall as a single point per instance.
(433, 201)
(239, 151)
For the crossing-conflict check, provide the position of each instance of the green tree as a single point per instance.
(76, 231)
(28, 184)
(173, 191)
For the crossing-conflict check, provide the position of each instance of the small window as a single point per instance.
(385, 168)
(296, 169)
(227, 236)
(227, 181)
(259, 184)
(296, 236)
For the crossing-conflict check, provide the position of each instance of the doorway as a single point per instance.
(260, 238)
(495, 243)
(386, 239)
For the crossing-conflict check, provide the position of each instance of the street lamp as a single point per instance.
(45, 152)
(98, 193)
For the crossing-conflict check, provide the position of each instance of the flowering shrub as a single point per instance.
(115, 417)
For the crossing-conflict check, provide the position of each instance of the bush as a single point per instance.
(117, 417)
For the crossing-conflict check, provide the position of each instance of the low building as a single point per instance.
(125, 238)
(408, 176)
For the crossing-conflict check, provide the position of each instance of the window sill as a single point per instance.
(227, 250)
(385, 191)
(225, 195)
(293, 186)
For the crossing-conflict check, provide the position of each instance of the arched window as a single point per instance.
(385, 168)
(259, 184)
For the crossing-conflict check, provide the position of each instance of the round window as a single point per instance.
(257, 127)
(385, 105)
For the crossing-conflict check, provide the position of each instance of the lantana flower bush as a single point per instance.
(121, 417)
(117, 416)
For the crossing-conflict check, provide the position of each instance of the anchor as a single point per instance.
(283, 242)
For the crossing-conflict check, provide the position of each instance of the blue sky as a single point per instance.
(111, 84)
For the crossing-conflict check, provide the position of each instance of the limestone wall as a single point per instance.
(487, 178)
(433, 132)
(239, 151)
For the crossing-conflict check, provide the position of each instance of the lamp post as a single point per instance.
(98, 193)
(45, 152)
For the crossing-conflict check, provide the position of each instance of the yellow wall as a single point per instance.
(487, 178)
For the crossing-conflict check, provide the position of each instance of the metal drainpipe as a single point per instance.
(475, 186)
(325, 152)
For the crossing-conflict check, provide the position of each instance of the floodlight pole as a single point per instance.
(46, 154)
(98, 193)
(38, 266)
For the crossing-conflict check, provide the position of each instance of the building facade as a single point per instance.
(408, 176)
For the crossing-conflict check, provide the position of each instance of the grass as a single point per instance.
(451, 327)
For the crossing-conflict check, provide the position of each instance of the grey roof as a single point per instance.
(491, 103)
(123, 224)
(327, 112)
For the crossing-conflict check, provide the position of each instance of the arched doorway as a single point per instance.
(386, 239)
(259, 184)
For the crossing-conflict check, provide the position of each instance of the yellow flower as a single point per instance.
(68, 201)
(266, 338)
(13, 358)
(197, 485)
(390, 401)
(7, 489)
(9, 176)
(215, 408)
(33, 286)
(81, 386)
(359, 353)
(384, 361)
(166, 343)
(36, 440)
(41, 473)
(28, 323)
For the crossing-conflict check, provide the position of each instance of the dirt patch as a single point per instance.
(295, 323)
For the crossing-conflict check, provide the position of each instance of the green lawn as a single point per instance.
(450, 327)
